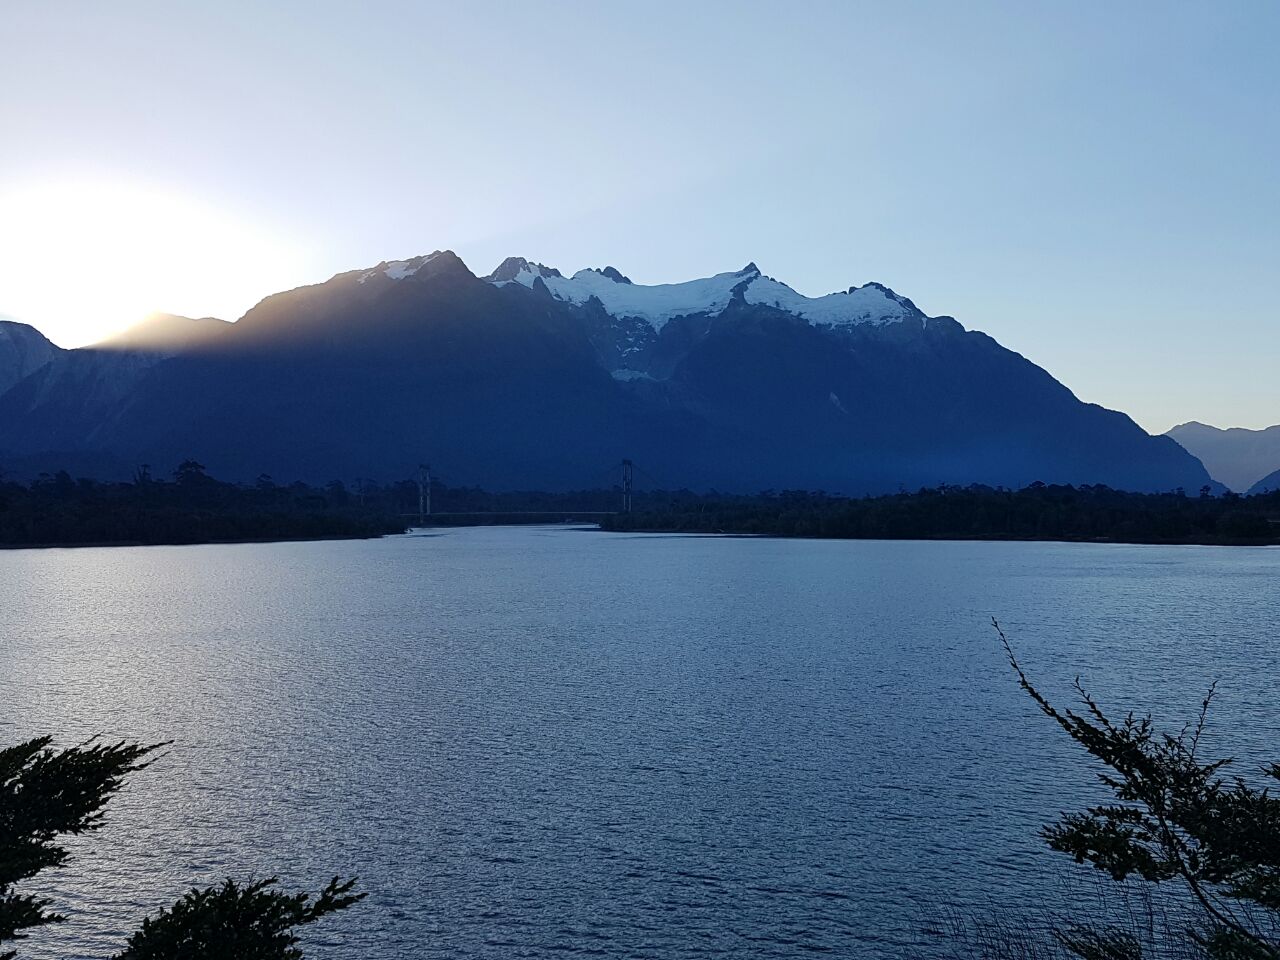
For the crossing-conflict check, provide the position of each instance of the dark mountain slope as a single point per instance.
(1268, 484)
(911, 405)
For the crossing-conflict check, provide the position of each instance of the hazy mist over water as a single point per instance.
(532, 741)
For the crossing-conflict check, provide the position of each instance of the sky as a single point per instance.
(1093, 184)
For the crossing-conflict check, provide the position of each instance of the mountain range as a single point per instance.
(527, 378)
(1246, 461)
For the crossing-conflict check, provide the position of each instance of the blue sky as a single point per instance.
(1093, 184)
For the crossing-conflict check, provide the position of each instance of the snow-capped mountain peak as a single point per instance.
(399, 269)
(872, 303)
(660, 303)
(614, 274)
(656, 304)
(520, 270)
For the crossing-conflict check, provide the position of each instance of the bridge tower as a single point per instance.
(628, 481)
(424, 493)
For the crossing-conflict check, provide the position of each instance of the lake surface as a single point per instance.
(532, 742)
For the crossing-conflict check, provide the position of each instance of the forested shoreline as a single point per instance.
(1037, 512)
(192, 507)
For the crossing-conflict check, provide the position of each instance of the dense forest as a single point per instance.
(192, 507)
(1037, 512)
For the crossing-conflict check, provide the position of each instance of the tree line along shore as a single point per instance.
(190, 506)
(1036, 512)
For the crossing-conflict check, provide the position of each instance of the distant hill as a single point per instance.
(531, 379)
(75, 396)
(166, 333)
(1236, 457)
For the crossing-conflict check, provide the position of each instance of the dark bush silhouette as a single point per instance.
(47, 793)
(233, 922)
(1176, 820)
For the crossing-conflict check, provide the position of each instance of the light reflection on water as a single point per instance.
(532, 741)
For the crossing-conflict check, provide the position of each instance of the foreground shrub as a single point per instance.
(46, 794)
(1209, 843)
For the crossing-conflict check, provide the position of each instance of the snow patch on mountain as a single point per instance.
(520, 270)
(873, 303)
(657, 303)
(660, 303)
(398, 269)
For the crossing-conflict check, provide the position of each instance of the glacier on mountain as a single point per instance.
(398, 269)
(660, 303)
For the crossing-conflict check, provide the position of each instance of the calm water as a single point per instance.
(531, 742)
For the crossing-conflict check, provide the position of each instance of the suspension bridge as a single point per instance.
(625, 487)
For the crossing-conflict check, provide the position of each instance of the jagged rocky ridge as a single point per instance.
(530, 378)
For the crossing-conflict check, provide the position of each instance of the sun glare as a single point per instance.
(82, 260)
